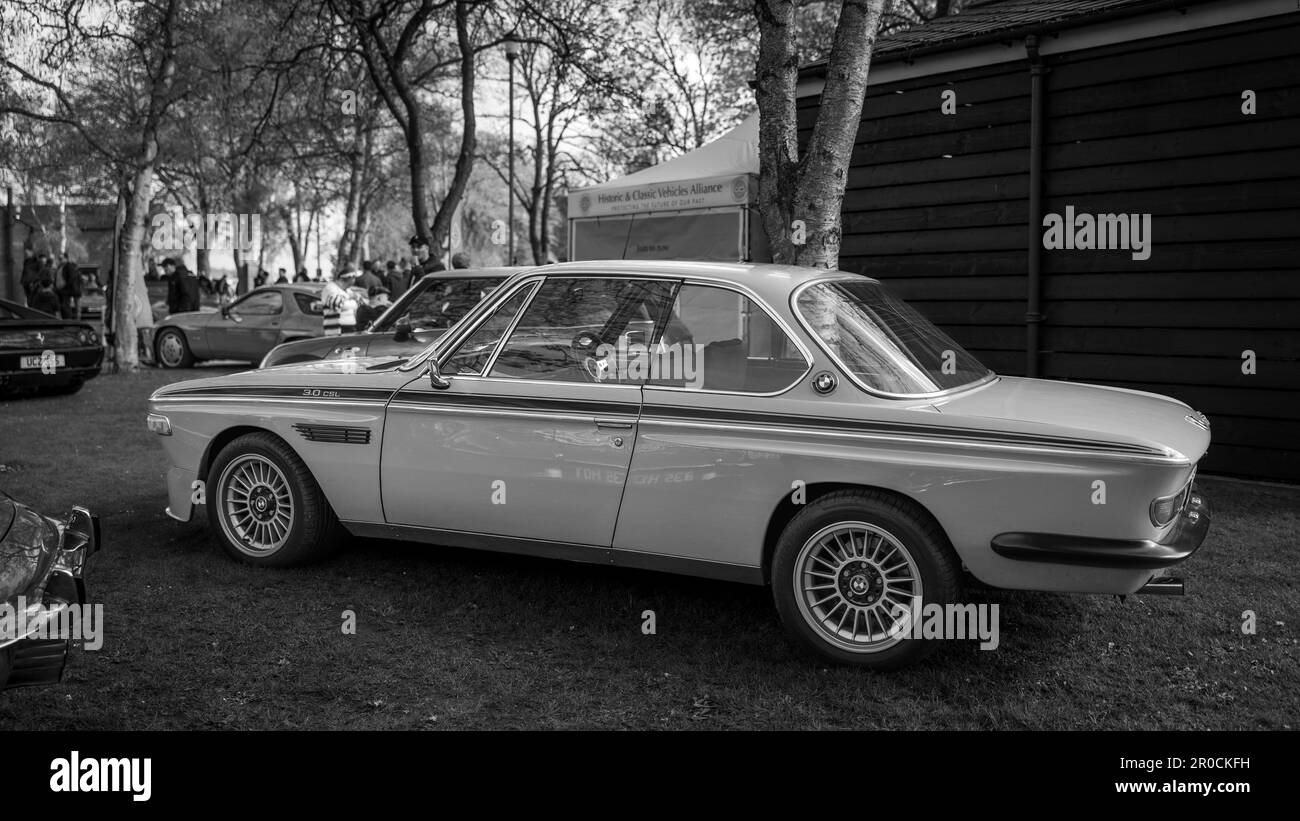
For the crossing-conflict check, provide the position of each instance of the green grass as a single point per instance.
(458, 639)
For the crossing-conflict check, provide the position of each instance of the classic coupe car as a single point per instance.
(422, 314)
(41, 565)
(777, 425)
(245, 329)
(44, 352)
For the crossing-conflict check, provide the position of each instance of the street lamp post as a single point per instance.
(512, 53)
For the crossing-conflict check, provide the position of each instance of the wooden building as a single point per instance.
(979, 127)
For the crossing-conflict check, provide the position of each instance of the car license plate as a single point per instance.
(35, 361)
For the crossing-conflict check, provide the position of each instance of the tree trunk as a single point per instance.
(441, 228)
(293, 227)
(802, 197)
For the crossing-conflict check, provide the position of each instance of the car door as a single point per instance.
(248, 328)
(530, 439)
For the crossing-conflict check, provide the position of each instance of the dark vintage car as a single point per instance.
(44, 352)
(245, 329)
(428, 308)
(42, 561)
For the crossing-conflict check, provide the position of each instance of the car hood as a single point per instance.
(1092, 412)
(364, 373)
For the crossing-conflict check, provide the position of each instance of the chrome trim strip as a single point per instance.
(333, 403)
(471, 409)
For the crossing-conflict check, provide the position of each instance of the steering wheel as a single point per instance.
(585, 345)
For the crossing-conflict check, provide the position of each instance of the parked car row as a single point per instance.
(797, 428)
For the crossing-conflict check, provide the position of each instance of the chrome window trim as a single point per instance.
(487, 370)
(989, 376)
(454, 337)
(700, 281)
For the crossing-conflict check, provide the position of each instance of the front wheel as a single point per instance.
(264, 506)
(852, 571)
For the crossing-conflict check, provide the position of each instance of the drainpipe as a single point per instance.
(1033, 297)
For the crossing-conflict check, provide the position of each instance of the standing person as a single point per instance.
(283, 278)
(369, 281)
(182, 287)
(44, 298)
(460, 259)
(425, 264)
(68, 285)
(340, 304)
(31, 277)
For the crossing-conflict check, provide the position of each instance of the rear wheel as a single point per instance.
(851, 572)
(264, 506)
(173, 350)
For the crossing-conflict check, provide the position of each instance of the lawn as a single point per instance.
(458, 639)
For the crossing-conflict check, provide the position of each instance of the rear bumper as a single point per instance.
(1183, 539)
(81, 364)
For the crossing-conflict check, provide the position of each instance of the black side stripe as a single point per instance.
(675, 413)
(305, 392)
(678, 413)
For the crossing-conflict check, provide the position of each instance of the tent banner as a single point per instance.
(703, 236)
(704, 192)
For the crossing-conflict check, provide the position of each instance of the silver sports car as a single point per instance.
(797, 428)
(245, 329)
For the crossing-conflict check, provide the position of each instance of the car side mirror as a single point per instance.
(402, 330)
(436, 380)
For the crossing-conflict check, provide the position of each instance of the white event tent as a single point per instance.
(700, 206)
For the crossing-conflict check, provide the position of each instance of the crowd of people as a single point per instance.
(355, 297)
(52, 285)
(350, 300)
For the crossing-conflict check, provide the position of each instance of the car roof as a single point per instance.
(759, 276)
(500, 272)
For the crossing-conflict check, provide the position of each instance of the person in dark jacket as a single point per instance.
(368, 280)
(44, 298)
(31, 278)
(67, 284)
(182, 287)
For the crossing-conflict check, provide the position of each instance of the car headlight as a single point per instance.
(159, 424)
(1165, 508)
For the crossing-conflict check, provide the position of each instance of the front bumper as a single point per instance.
(1176, 546)
(35, 650)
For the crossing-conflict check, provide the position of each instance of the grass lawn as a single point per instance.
(467, 640)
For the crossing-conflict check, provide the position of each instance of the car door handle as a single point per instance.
(605, 423)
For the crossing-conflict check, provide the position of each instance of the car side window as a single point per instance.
(309, 304)
(472, 356)
(262, 303)
(720, 340)
(585, 329)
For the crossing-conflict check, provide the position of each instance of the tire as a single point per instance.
(294, 526)
(869, 582)
(172, 350)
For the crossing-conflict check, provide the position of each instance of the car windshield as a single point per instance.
(442, 303)
(884, 342)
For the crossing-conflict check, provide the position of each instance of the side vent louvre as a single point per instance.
(334, 434)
